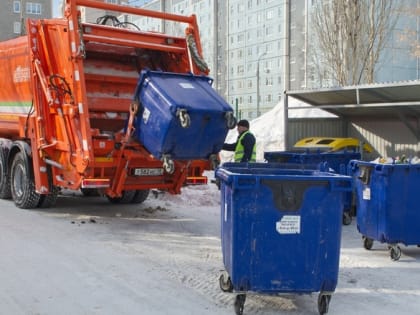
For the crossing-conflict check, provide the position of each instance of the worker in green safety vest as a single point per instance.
(245, 145)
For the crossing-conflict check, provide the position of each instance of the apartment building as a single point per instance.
(257, 49)
(211, 23)
(15, 12)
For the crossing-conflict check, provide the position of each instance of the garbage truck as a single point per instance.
(106, 107)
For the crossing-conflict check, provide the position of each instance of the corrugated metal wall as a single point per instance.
(299, 128)
(388, 138)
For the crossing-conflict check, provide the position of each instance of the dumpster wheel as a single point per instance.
(323, 303)
(230, 120)
(395, 252)
(367, 242)
(168, 164)
(239, 303)
(225, 282)
(184, 118)
(346, 218)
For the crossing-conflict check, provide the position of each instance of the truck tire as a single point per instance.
(140, 196)
(49, 200)
(126, 197)
(5, 189)
(90, 192)
(22, 183)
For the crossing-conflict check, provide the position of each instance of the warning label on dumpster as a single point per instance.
(289, 224)
(366, 193)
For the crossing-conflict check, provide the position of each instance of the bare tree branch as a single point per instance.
(350, 36)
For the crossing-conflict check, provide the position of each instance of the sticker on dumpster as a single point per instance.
(146, 115)
(186, 85)
(289, 224)
(366, 193)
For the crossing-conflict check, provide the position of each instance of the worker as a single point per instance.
(245, 145)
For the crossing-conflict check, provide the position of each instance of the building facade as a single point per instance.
(257, 49)
(15, 12)
(211, 22)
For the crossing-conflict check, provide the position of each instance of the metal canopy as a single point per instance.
(385, 101)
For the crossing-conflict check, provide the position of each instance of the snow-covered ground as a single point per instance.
(86, 256)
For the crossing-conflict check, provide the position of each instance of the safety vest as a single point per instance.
(239, 150)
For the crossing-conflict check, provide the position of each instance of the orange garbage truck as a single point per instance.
(105, 107)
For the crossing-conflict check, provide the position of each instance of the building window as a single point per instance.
(112, 1)
(16, 6)
(16, 27)
(33, 8)
(240, 54)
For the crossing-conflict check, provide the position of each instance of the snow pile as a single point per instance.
(268, 129)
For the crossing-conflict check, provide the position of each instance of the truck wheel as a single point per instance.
(22, 183)
(49, 200)
(5, 189)
(126, 197)
(90, 192)
(140, 196)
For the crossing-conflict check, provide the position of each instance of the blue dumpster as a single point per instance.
(337, 161)
(181, 116)
(280, 230)
(387, 204)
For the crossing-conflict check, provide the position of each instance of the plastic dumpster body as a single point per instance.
(175, 107)
(388, 204)
(337, 161)
(280, 230)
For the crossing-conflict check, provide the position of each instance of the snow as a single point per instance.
(369, 281)
(268, 129)
(88, 256)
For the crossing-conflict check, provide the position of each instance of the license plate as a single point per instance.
(148, 171)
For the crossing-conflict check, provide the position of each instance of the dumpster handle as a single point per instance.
(342, 184)
(246, 182)
(243, 181)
